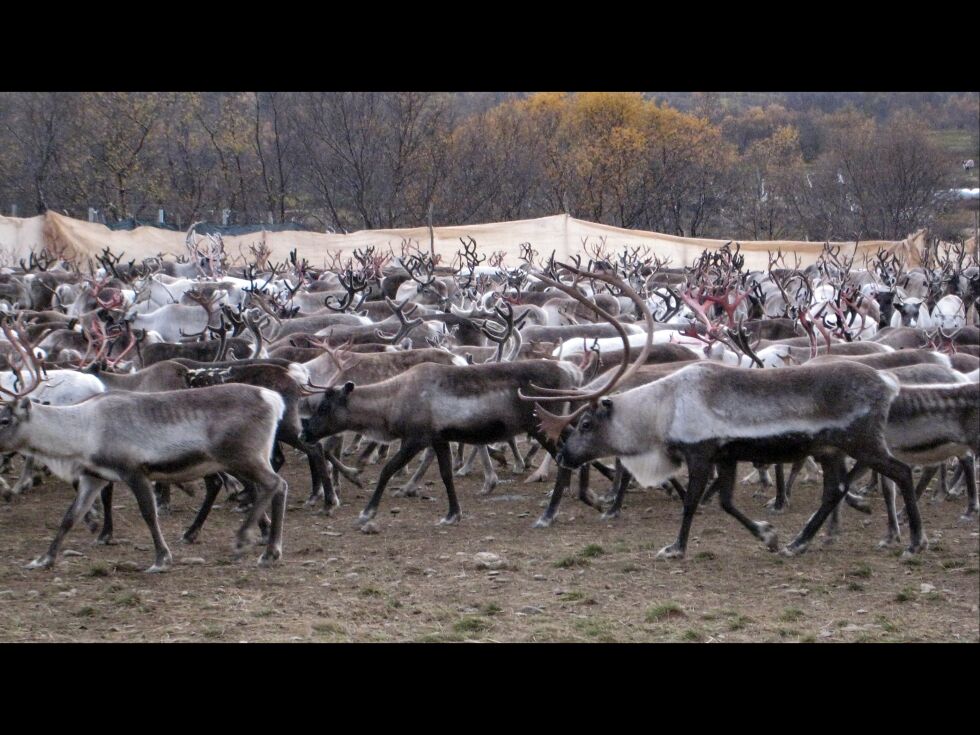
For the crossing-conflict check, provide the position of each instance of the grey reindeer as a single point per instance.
(709, 415)
(139, 438)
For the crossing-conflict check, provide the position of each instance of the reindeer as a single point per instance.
(708, 415)
(138, 438)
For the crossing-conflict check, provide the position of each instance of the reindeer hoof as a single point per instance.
(42, 562)
(313, 501)
(160, 565)
(773, 507)
(889, 541)
(544, 521)
(793, 550)
(489, 487)
(768, 536)
(269, 558)
(609, 515)
(450, 520)
(969, 516)
(670, 552)
(364, 516)
(106, 541)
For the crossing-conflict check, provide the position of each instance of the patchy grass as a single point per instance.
(664, 611)
(370, 592)
(490, 609)
(571, 562)
(597, 628)
(886, 625)
(791, 615)
(952, 564)
(855, 587)
(328, 628)
(127, 599)
(472, 625)
(739, 622)
(441, 637)
(860, 571)
(98, 570)
(693, 635)
(592, 551)
(629, 568)
(705, 556)
(85, 612)
(905, 595)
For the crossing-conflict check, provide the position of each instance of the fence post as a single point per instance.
(225, 215)
(161, 219)
(13, 210)
(91, 214)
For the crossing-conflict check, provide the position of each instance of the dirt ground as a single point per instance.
(581, 580)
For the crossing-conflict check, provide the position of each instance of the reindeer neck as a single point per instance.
(57, 431)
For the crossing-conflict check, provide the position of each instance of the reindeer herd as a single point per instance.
(170, 371)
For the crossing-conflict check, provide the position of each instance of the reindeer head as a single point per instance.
(332, 414)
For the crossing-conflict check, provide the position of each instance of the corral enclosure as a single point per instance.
(837, 330)
(582, 580)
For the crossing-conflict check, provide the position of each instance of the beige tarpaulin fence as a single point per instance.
(562, 234)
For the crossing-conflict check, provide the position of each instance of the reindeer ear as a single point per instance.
(24, 406)
(348, 387)
(606, 404)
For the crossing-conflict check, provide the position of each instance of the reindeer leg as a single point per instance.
(352, 447)
(834, 489)
(941, 487)
(969, 477)
(622, 480)
(894, 532)
(88, 491)
(25, 481)
(319, 472)
(404, 455)
(162, 497)
(765, 482)
(444, 455)
(273, 551)
(726, 489)
(490, 478)
(541, 474)
(410, 488)
(584, 493)
(519, 465)
(212, 485)
(535, 448)
(349, 473)
(106, 536)
(467, 466)
(268, 488)
(778, 503)
(362, 458)
(699, 471)
(143, 491)
(955, 480)
(562, 481)
(895, 470)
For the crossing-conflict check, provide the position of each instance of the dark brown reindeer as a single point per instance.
(432, 405)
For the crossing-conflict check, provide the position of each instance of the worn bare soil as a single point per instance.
(581, 580)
